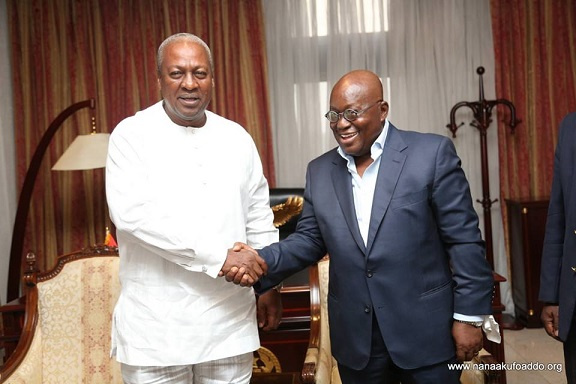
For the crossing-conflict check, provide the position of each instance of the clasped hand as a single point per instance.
(243, 265)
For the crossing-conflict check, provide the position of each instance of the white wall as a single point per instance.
(7, 163)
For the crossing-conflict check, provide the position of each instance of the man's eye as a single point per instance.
(350, 114)
(200, 74)
(175, 74)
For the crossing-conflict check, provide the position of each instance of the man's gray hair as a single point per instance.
(186, 37)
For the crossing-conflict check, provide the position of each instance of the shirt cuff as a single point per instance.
(489, 325)
(459, 316)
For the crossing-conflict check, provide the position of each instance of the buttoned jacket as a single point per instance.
(424, 258)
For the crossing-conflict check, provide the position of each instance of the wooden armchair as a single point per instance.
(321, 368)
(66, 334)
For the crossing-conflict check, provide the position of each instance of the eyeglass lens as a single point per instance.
(348, 114)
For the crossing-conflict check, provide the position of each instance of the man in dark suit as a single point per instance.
(558, 272)
(393, 210)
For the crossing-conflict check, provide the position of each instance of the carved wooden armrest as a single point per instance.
(310, 364)
(313, 353)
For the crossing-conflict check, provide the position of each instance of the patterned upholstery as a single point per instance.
(30, 369)
(327, 362)
(70, 324)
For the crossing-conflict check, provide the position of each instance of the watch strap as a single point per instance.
(476, 324)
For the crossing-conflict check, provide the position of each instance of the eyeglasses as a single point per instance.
(349, 114)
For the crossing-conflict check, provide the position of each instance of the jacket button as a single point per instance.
(573, 269)
(369, 273)
(367, 309)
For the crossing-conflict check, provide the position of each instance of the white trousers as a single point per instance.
(231, 370)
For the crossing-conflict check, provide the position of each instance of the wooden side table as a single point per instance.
(13, 321)
(526, 226)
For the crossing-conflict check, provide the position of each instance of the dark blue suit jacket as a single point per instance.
(424, 257)
(557, 279)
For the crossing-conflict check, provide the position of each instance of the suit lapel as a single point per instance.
(391, 164)
(343, 189)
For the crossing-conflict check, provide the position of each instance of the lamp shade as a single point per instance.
(85, 152)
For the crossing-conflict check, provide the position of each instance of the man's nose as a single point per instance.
(189, 81)
(341, 124)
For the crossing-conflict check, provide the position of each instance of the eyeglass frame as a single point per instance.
(354, 112)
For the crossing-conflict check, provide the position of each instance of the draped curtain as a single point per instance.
(425, 51)
(535, 48)
(66, 51)
(535, 55)
(310, 44)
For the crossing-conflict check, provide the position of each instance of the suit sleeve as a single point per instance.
(299, 250)
(552, 251)
(458, 226)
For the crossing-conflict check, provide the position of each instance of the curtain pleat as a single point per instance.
(66, 51)
(535, 49)
(535, 56)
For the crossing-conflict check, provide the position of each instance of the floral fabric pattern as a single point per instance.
(72, 339)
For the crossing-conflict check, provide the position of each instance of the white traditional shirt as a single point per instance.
(179, 198)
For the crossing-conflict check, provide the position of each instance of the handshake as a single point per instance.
(243, 265)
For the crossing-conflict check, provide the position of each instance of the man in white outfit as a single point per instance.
(183, 184)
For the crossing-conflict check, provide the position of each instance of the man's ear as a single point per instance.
(384, 107)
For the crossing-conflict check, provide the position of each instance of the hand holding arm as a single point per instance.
(468, 340)
(549, 319)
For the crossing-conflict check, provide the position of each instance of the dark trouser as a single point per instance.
(382, 370)
(570, 354)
